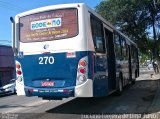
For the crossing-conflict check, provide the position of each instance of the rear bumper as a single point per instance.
(83, 90)
(50, 92)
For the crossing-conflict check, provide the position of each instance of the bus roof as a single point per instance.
(47, 8)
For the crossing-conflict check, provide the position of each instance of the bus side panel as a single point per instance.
(100, 81)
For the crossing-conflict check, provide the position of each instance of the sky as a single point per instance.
(10, 8)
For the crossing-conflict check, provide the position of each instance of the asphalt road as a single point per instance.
(135, 99)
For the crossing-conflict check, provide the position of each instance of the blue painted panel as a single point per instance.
(100, 82)
(63, 72)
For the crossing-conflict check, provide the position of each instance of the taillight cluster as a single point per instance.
(19, 71)
(82, 70)
(82, 66)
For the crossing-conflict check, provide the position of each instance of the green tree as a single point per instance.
(133, 17)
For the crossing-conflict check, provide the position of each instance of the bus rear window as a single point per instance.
(49, 25)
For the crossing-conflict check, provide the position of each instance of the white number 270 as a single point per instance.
(46, 60)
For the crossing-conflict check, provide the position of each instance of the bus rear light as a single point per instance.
(19, 78)
(81, 79)
(65, 91)
(18, 66)
(82, 63)
(19, 72)
(82, 70)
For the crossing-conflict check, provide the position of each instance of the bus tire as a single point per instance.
(120, 85)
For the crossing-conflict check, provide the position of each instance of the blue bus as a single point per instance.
(69, 50)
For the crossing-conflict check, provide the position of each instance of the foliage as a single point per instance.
(133, 17)
(144, 58)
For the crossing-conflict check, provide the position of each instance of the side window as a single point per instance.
(124, 49)
(127, 51)
(133, 52)
(117, 45)
(97, 34)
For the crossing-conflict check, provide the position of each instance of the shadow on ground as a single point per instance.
(134, 100)
(6, 95)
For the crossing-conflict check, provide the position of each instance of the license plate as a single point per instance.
(47, 83)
